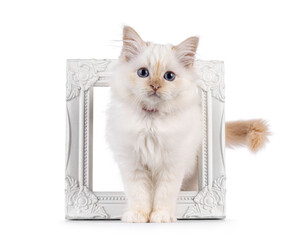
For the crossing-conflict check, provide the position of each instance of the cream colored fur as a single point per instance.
(155, 138)
(250, 133)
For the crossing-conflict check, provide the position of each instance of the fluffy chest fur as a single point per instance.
(152, 145)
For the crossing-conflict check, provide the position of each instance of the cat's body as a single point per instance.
(154, 125)
(155, 154)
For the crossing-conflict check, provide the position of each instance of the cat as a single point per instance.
(154, 122)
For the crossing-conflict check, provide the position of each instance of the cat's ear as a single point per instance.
(132, 43)
(186, 51)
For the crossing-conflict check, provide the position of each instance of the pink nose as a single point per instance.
(154, 87)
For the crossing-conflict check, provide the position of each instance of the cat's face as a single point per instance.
(153, 74)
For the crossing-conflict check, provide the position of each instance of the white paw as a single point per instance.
(135, 216)
(162, 216)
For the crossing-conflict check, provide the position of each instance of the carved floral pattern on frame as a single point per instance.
(209, 200)
(82, 75)
(211, 78)
(82, 200)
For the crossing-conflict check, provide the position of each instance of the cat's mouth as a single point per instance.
(154, 94)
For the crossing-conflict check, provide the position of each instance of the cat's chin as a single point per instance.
(153, 99)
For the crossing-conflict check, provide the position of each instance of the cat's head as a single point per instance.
(152, 76)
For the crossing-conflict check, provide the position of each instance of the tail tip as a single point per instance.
(258, 135)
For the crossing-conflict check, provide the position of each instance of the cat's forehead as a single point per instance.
(157, 54)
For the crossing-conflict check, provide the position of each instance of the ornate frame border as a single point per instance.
(83, 203)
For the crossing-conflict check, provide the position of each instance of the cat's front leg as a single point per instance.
(167, 187)
(138, 188)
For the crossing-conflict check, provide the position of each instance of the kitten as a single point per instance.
(154, 123)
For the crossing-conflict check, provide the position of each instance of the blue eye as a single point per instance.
(169, 76)
(143, 72)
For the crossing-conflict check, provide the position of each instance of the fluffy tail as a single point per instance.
(250, 133)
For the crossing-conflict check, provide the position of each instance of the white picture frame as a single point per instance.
(83, 203)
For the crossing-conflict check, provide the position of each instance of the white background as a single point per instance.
(106, 174)
(257, 40)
